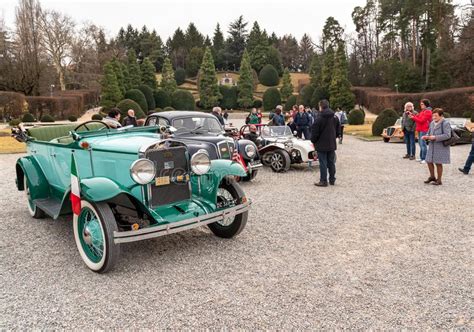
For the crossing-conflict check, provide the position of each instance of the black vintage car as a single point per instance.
(203, 131)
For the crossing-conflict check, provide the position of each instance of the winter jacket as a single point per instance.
(437, 152)
(326, 128)
(302, 119)
(130, 121)
(278, 120)
(253, 119)
(219, 117)
(407, 123)
(423, 120)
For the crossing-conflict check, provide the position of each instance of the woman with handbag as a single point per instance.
(438, 135)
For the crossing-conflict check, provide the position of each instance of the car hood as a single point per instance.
(123, 143)
(210, 138)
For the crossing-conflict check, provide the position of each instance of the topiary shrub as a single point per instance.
(150, 100)
(271, 98)
(269, 76)
(128, 104)
(168, 109)
(14, 122)
(467, 114)
(356, 117)
(306, 95)
(229, 97)
(72, 118)
(158, 109)
(182, 100)
(28, 117)
(257, 103)
(97, 117)
(446, 115)
(290, 103)
(180, 76)
(137, 96)
(386, 118)
(162, 99)
(47, 118)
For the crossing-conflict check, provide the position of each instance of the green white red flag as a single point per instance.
(75, 189)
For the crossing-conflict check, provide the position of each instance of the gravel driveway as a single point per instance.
(378, 250)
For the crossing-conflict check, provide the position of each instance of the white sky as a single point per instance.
(280, 16)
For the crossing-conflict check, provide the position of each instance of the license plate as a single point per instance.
(162, 181)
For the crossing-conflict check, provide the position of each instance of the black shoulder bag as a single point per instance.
(453, 139)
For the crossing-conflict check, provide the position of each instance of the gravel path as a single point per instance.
(378, 250)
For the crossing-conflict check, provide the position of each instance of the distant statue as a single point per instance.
(226, 80)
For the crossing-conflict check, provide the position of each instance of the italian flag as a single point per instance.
(75, 191)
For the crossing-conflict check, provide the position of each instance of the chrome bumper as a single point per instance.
(179, 226)
(254, 166)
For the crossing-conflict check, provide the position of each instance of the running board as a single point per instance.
(50, 206)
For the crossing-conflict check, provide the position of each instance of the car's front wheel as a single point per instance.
(229, 194)
(34, 211)
(94, 234)
(386, 139)
(280, 161)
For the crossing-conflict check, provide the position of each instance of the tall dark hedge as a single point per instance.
(387, 118)
(162, 99)
(180, 76)
(137, 96)
(150, 100)
(306, 95)
(28, 117)
(269, 76)
(356, 117)
(182, 100)
(229, 97)
(271, 98)
(127, 104)
(290, 103)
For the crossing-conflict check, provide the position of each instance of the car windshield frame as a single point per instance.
(398, 122)
(200, 124)
(276, 131)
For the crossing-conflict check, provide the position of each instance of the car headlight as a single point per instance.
(250, 151)
(200, 162)
(142, 171)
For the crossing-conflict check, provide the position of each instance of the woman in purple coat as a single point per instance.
(438, 154)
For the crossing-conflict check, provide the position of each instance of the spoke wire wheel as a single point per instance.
(34, 211)
(225, 198)
(93, 232)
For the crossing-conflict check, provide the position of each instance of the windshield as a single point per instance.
(456, 122)
(398, 123)
(276, 131)
(197, 124)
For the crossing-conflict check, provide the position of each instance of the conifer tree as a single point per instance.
(111, 93)
(245, 83)
(315, 71)
(168, 82)
(134, 77)
(148, 73)
(327, 71)
(208, 89)
(119, 75)
(340, 87)
(287, 87)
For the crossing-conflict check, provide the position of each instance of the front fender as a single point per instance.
(99, 189)
(38, 184)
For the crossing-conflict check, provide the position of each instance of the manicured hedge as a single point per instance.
(356, 117)
(306, 95)
(385, 119)
(58, 107)
(127, 104)
(257, 103)
(97, 116)
(72, 118)
(290, 103)
(271, 98)
(269, 76)
(162, 99)
(12, 103)
(137, 96)
(150, 100)
(168, 109)
(229, 97)
(47, 118)
(28, 117)
(182, 100)
(180, 76)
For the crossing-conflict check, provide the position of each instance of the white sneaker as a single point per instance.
(418, 159)
(423, 162)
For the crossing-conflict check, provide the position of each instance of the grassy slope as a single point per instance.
(9, 144)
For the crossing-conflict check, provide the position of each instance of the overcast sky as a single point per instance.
(294, 17)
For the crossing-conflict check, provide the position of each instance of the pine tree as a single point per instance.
(340, 87)
(168, 82)
(218, 47)
(134, 77)
(208, 89)
(327, 70)
(305, 52)
(119, 74)
(111, 93)
(287, 87)
(148, 73)
(193, 61)
(273, 58)
(315, 71)
(245, 83)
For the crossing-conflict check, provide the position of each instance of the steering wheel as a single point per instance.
(84, 124)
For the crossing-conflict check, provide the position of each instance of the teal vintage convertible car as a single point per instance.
(126, 185)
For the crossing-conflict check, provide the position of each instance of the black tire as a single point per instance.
(250, 176)
(108, 227)
(280, 161)
(34, 211)
(266, 159)
(230, 228)
(386, 140)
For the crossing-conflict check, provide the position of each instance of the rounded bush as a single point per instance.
(229, 97)
(467, 114)
(47, 118)
(257, 103)
(387, 118)
(182, 100)
(157, 110)
(162, 99)
(168, 109)
(271, 98)
(180, 76)
(97, 116)
(137, 96)
(446, 115)
(290, 103)
(150, 100)
(14, 122)
(269, 76)
(128, 104)
(28, 117)
(356, 117)
(72, 118)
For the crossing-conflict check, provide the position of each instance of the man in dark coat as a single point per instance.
(130, 120)
(302, 122)
(217, 112)
(325, 130)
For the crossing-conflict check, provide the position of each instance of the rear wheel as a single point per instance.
(34, 211)
(94, 229)
(386, 140)
(280, 161)
(250, 176)
(229, 194)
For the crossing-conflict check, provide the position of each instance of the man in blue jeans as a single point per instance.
(470, 159)
(324, 132)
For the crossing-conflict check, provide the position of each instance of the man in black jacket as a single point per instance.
(325, 130)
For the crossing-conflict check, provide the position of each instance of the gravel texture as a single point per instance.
(378, 250)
